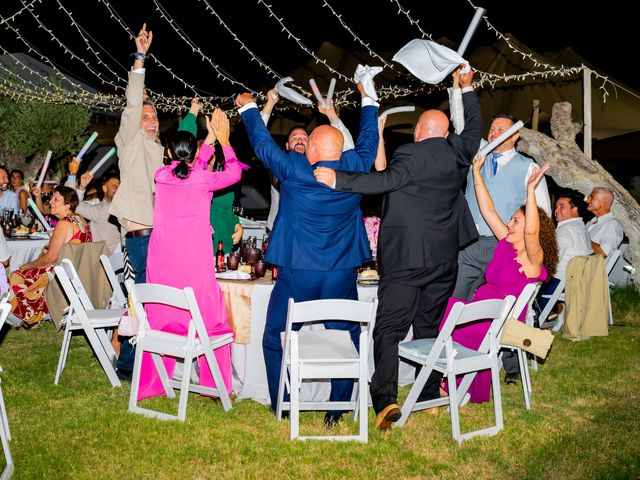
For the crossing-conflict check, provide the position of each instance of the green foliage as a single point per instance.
(35, 127)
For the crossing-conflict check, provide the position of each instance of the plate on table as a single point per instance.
(233, 275)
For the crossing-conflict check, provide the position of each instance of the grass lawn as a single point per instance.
(585, 423)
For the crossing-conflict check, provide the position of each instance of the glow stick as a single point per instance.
(484, 151)
(391, 111)
(45, 165)
(106, 157)
(471, 30)
(86, 146)
(332, 87)
(315, 90)
(34, 207)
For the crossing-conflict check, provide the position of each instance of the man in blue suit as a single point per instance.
(318, 238)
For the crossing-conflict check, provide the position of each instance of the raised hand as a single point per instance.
(325, 175)
(329, 112)
(537, 176)
(466, 79)
(220, 126)
(36, 191)
(85, 179)
(243, 99)
(144, 38)
(196, 106)
(74, 165)
(478, 162)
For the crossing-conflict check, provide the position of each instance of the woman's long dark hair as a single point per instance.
(182, 146)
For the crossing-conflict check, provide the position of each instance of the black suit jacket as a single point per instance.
(425, 217)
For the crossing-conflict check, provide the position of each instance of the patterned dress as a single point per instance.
(27, 286)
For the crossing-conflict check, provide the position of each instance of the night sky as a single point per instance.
(602, 37)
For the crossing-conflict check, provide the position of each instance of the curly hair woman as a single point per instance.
(526, 253)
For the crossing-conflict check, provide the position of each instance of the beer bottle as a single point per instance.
(220, 258)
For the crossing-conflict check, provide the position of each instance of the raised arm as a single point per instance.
(272, 100)
(130, 120)
(337, 123)
(485, 203)
(532, 220)
(380, 162)
(266, 149)
(190, 121)
(232, 168)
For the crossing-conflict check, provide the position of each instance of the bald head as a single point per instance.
(325, 143)
(431, 124)
(600, 201)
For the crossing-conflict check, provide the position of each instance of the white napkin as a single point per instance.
(291, 94)
(39, 236)
(364, 75)
(429, 61)
(233, 275)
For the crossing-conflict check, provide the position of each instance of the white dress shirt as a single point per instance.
(573, 241)
(606, 230)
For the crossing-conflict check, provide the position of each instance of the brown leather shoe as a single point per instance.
(432, 411)
(388, 417)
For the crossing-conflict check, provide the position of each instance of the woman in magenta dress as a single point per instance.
(180, 249)
(526, 253)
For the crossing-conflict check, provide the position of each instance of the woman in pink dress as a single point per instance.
(180, 249)
(526, 253)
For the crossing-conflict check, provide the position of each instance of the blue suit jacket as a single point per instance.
(317, 228)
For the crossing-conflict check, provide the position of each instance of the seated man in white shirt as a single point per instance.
(573, 240)
(8, 199)
(605, 230)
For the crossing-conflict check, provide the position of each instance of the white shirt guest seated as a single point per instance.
(573, 240)
(605, 230)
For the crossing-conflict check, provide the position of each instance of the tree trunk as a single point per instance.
(570, 168)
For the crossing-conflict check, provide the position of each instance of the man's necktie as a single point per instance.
(494, 162)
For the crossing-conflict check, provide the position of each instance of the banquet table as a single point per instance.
(24, 251)
(246, 304)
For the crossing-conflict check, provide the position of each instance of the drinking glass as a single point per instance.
(233, 260)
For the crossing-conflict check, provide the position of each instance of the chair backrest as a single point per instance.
(72, 288)
(495, 309)
(118, 298)
(611, 261)
(5, 308)
(185, 299)
(331, 309)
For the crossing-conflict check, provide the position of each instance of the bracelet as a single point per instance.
(139, 56)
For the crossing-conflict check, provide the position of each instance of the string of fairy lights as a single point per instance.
(64, 89)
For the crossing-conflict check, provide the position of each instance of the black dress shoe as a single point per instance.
(511, 378)
(331, 419)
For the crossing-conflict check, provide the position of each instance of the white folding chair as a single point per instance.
(525, 300)
(325, 354)
(5, 434)
(609, 263)
(556, 295)
(450, 358)
(81, 316)
(197, 342)
(118, 297)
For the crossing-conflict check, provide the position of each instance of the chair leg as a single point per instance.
(135, 379)
(3, 416)
(412, 397)
(64, 350)
(522, 363)
(163, 375)
(497, 397)
(217, 378)
(453, 408)
(103, 358)
(294, 402)
(8, 469)
(184, 386)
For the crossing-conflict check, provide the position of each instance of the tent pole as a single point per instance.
(536, 115)
(586, 110)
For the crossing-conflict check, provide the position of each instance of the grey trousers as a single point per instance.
(472, 262)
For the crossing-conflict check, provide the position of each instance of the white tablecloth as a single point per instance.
(24, 251)
(250, 376)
